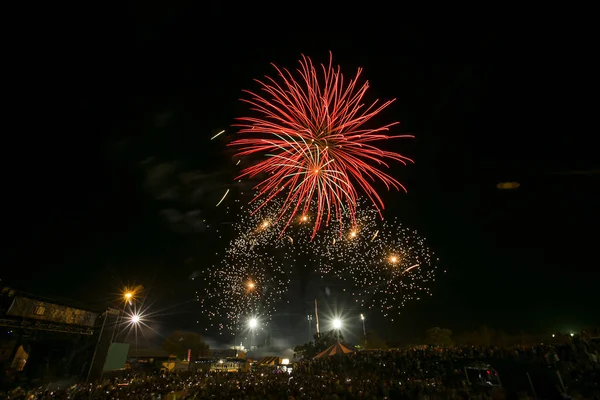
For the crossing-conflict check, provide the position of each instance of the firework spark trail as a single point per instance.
(383, 265)
(250, 279)
(312, 132)
(222, 198)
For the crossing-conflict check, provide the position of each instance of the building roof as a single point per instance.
(269, 361)
(337, 349)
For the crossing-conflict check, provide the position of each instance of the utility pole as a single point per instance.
(362, 317)
(317, 317)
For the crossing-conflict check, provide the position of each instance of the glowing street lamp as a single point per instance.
(128, 297)
(393, 259)
(352, 234)
(252, 324)
(251, 285)
(135, 319)
(362, 318)
(337, 325)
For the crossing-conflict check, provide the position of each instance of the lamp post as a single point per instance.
(362, 318)
(96, 347)
(337, 325)
(253, 323)
(127, 297)
(309, 319)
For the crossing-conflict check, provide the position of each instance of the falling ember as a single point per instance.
(218, 134)
(223, 198)
(314, 137)
(411, 267)
(383, 274)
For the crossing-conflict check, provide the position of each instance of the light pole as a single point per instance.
(96, 347)
(362, 318)
(127, 297)
(235, 328)
(253, 323)
(337, 325)
(309, 318)
(135, 321)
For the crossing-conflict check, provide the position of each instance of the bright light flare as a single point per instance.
(129, 293)
(135, 319)
(337, 323)
(393, 259)
(253, 323)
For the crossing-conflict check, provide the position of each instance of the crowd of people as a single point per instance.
(420, 373)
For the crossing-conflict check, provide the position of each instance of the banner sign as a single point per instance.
(116, 357)
(41, 310)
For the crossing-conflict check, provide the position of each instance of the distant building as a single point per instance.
(228, 353)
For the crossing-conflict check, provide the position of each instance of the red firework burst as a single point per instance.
(312, 132)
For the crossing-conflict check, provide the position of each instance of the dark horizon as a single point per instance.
(120, 182)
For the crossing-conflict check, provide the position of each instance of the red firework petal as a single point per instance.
(312, 132)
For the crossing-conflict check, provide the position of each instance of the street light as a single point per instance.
(253, 323)
(128, 296)
(362, 318)
(135, 319)
(393, 259)
(337, 324)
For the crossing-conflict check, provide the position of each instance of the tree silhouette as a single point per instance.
(373, 341)
(438, 336)
(321, 343)
(180, 342)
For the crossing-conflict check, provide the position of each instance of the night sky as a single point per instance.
(112, 178)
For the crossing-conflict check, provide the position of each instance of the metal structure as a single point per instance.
(317, 317)
(45, 326)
